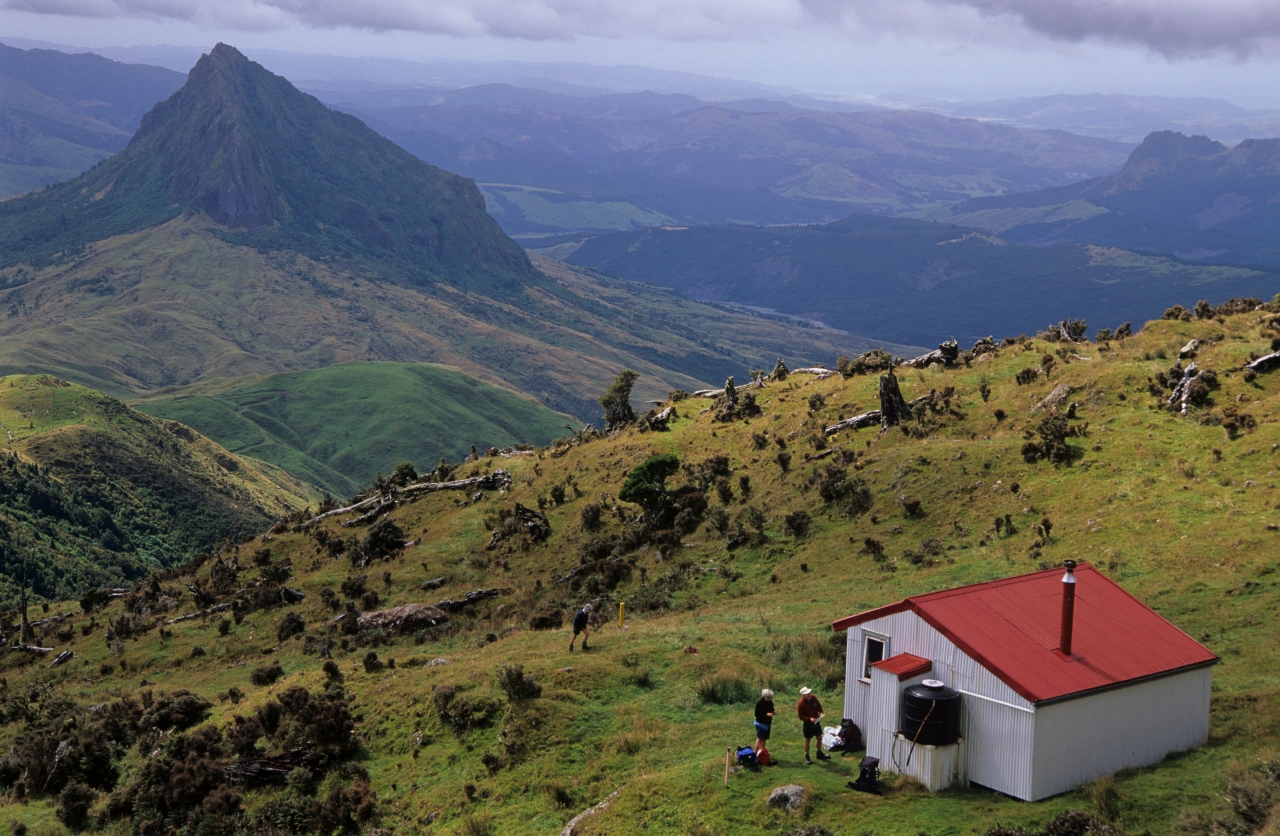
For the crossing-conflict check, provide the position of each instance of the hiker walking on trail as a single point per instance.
(580, 626)
(764, 719)
(810, 711)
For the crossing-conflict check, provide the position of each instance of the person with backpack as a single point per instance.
(810, 711)
(580, 626)
(764, 719)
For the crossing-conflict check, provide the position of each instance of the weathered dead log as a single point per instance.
(226, 605)
(893, 408)
(261, 772)
(62, 658)
(857, 422)
(402, 620)
(511, 452)
(470, 598)
(658, 421)
(371, 515)
(1182, 392)
(31, 648)
(336, 511)
(1265, 363)
(1054, 399)
(434, 583)
(1189, 350)
(291, 596)
(497, 480)
(53, 619)
(947, 353)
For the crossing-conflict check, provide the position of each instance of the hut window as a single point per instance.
(872, 652)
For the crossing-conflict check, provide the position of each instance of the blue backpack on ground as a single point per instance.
(747, 757)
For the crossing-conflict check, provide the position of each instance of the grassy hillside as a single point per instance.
(1180, 511)
(178, 304)
(911, 281)
(338, 426)
(93, 492)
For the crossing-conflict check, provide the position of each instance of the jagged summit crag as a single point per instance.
(1187, 196)
(278, 170)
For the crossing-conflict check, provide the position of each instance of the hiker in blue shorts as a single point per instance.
(580, 626)
(764, 719)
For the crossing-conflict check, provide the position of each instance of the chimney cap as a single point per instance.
(1070, 576)
(1069, 565)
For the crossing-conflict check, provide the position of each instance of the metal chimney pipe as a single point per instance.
(1068, 606)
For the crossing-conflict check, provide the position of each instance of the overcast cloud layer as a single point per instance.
(1174, 28)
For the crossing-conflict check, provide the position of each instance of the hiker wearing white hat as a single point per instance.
(810, 711)
(580, 626)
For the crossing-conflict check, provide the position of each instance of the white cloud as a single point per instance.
(1174, 28)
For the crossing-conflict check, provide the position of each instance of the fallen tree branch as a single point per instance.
(1265, 363)
(370, 516)
(857, 422)
(497, 480)
(947, 353)
(1182, 392)
(470, 598)
(260, 772)
(31, 648)
(189, 616)
(343, 510)
(64, 656)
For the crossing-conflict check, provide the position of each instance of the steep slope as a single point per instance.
(337, 427)
(254, 154)
(93, 492)
(179, 304)
(726, 163)
(1186, 196)
(910, 281)
(60, 113)
(1179, 511)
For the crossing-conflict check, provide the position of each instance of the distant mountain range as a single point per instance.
(911, 281)
(1189, 197)
(1123, 118)
(61, 114)
(550, 163)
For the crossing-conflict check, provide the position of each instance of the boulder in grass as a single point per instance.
(787, 798)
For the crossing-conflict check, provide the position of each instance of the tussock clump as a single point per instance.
(723, 688)
(462, 712)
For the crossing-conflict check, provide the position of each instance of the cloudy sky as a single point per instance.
(946, 48)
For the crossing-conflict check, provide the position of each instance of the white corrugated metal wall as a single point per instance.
(1078, 740)
(999, 730)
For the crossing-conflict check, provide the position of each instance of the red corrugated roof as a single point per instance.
(1011, 628)
(904, 665)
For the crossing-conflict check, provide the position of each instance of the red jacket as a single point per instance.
(809, 708)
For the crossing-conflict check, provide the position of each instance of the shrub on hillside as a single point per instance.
(516, 684)
(291, 625)
(73, 805)
(385, 539)
(616, 401)
(849, 495)
(266, 674)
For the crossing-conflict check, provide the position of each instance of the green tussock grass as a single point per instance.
(338, 426)
(633, 712)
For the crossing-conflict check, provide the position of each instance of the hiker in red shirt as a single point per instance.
(810, 711)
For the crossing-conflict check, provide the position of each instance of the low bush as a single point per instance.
(266, 674)
(516, 684)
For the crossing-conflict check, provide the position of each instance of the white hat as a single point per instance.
(805, 691)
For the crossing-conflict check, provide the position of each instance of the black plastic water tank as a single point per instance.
(931, 714)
